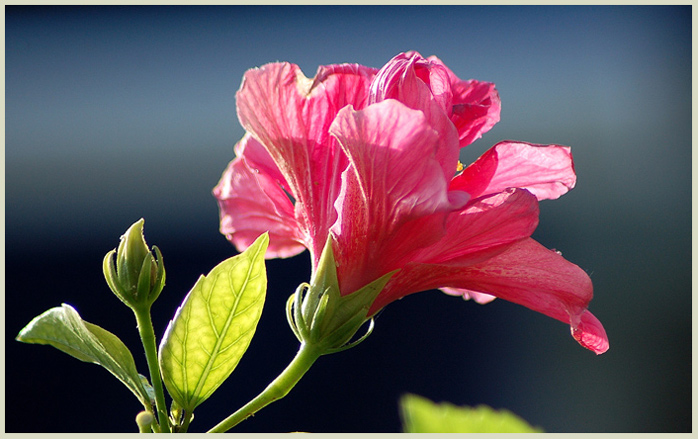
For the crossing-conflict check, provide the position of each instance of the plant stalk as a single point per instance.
(277, 389)
(147, 333)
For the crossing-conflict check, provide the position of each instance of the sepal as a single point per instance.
(318, 313)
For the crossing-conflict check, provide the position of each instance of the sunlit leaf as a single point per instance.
(62, 328)
(421, 415)
(213, 327)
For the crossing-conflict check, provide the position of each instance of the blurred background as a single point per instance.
(118, 113)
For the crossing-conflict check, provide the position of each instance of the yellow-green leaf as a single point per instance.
(213, 327)
(63, 328)
(421, 415)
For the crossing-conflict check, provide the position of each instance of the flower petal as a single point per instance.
(251, 203)
(590, 333)
(541, 280)
(425, 86)
(480, 298)
(526, 273)
(475, 106)
(410, 78)
(259, 161)
(393, 196)
(290, 115)
(483, 229)
(547, 171)
(478, 231)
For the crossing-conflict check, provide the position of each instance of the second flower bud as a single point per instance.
(138, 275)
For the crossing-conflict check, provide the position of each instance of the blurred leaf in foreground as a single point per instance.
(420, 415)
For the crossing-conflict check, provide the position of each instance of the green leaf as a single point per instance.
(62, 328)
(423, 416)
(213, 327)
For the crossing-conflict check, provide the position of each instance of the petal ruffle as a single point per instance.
(393, 196)
(290, 115)
(547, 171)
(252, 202)
(425, 86)
(408, 76)
(475, 106)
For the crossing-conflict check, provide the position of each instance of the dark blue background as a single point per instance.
(118, 113)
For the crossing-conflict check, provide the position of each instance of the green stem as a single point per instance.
(280, 387)
(185, 424)
(145, 329)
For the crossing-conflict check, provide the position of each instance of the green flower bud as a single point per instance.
(137, 277)
(320, 315)
(144, 420)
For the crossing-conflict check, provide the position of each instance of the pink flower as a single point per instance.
(369, 156)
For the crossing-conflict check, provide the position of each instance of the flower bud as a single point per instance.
(144, 419)
(137, 277)
(320, 315)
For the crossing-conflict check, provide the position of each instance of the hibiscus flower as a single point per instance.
(367, 158)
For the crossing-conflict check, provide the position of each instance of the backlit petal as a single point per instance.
(290, 115)
(590, 333)
(251, 203)
(475, 106)
(393, 180)
(425, 86)
(526, 273)
(483, 229)
(477, 231)
(547, 171)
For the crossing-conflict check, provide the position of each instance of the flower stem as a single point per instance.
(145, 329)
(280, 387)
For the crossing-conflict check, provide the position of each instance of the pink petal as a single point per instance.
(259, 161)
(407, 76)
(483, 229)
(252, 203)
(527, 274)
(590, 333)
(290, 115)
(533, 276)
(393, 196)
(475, 106)
(480, 298)
(479, 230)
(423, 86)
(547, 171)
